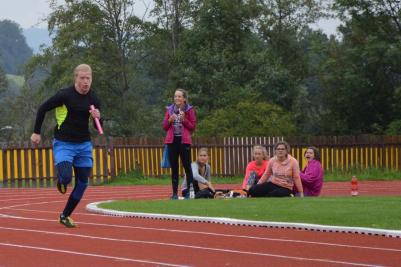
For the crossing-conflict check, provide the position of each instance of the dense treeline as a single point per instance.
(14, 52)
(251, 67)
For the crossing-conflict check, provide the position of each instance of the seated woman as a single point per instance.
(255, 168)
(282, 172)
(201, 174)
(312, 175)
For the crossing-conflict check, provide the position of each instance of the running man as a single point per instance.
(72, 146)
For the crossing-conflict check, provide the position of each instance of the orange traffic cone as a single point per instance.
(354, 186)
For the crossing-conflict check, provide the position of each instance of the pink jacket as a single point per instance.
(312, 178)
(188, 124)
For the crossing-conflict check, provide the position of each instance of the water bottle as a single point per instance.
(191, 192)
(354, 186)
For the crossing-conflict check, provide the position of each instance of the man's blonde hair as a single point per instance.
(82, 67)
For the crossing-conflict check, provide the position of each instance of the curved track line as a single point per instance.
(205, 233)
(192, 247)
(98, 193)
(89, 254)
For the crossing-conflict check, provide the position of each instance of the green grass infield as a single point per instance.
(372, 212)
(336, 175)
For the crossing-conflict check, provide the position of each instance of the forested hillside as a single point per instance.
(14, 52)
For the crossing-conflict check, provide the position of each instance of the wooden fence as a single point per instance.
(25, 165)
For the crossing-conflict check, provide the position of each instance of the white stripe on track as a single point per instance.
(194, 247)
(108, 195)
(83, 199)
(208, 233)
(89, 254)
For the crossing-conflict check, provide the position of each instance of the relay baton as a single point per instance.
(98, 126)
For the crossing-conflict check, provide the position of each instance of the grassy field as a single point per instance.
(374, 212)
(364, 174)
(137, 178)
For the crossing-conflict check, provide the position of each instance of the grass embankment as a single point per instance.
(369, 174)
(374, 212)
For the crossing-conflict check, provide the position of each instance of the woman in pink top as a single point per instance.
(179, 122)
(281, 175)
(312, 175)
(255, 168)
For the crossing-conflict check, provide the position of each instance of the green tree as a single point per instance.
(280, 22)
(213, 60)
(3, 81)
(361, 76)
(394, 128)
(14, 51)
(107, 35)
(248, 118)
(285, 75)
(174, 16)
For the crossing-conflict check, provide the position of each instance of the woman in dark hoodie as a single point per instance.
(179, 122)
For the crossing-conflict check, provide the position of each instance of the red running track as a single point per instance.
(31, 236)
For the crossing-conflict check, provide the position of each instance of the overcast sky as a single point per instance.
(27, 13)
(31, 13)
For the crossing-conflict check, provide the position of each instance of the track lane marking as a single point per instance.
(202, 233)
(192, 247)
(89, 254)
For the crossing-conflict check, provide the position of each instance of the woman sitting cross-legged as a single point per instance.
(201, 174)
(281, 175)
(255, 168)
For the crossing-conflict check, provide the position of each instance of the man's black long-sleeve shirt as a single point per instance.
(72, 114)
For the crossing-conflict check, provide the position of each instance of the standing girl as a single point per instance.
(179, 122)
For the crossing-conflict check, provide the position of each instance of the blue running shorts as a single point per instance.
(79, 154)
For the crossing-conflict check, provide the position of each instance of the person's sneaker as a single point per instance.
(67, 221)
(62, 188)
(252, 179)
(174, 197)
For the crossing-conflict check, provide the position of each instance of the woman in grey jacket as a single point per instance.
(201, 174)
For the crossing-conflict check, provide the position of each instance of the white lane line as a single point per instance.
(192, 247)
(210, 234)
(108, 195)
(55, 212)
(90, 190)
(89, 254)
(83, 199)
(29, 204)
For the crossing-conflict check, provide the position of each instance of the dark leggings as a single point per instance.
(269, 190)
(81, 183)
(175, 150)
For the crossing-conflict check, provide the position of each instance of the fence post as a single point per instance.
(110, 151)
(3, 178)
